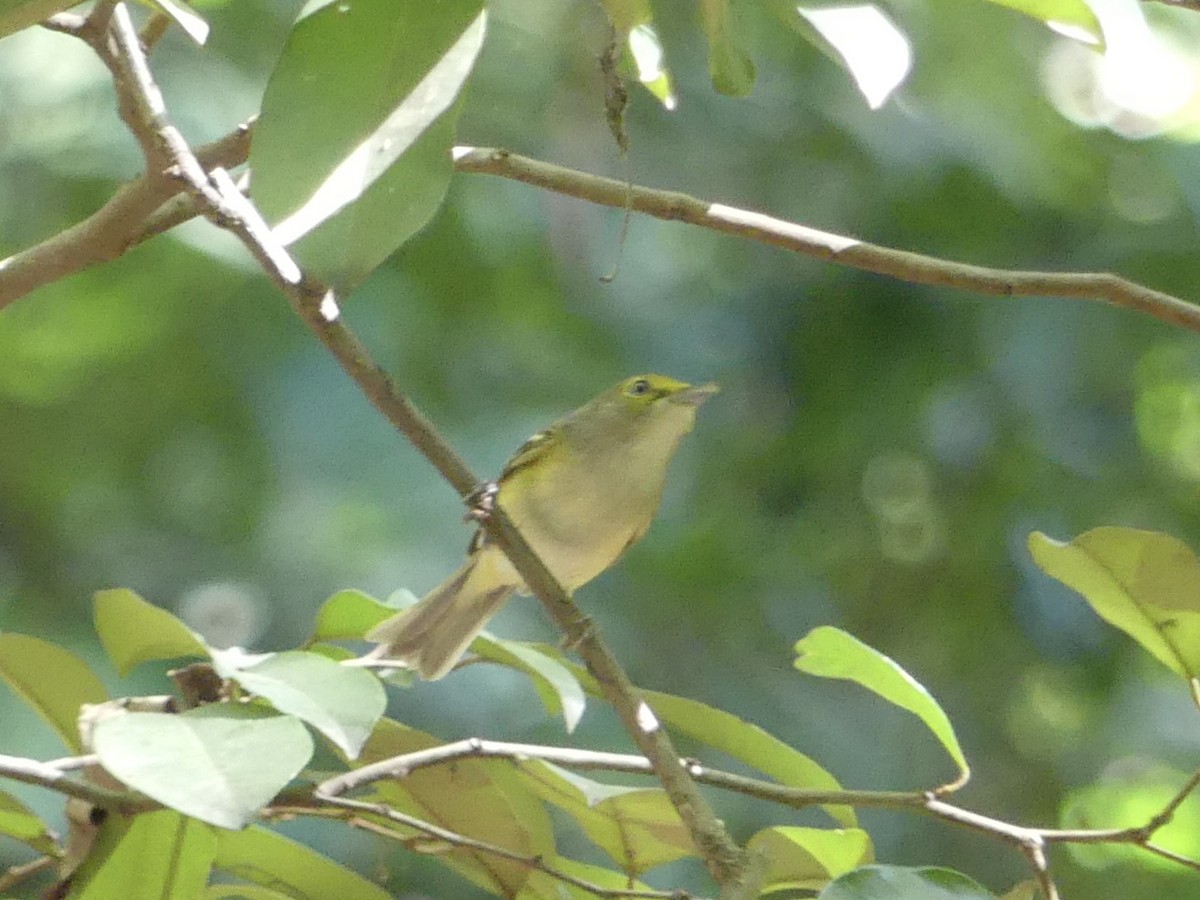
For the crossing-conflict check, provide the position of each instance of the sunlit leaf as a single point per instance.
(638, 828)
(218, 764)
(487, 799)
(809, 858)
(558, 688)
(378, 128)
(831, 653)
(26, 666)
(134, 631)
(738, 738)
(867, 43)
(1072, 18)
(342, 702)
(185, 17)
(348, 615)
(1130, 795)
(899, 883)
(1145, 583)
(20, 823)
(270, 860)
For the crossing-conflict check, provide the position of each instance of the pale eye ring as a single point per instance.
(639, 388)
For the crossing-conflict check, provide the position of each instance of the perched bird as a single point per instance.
(581, 493)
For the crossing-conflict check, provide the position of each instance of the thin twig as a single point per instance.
(16, 874)
(47, 775)
(139, 210)
(462, 841)
(836, 248)
(1031, 841)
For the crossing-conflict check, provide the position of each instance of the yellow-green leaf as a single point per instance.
(1145, 583)
(831, 653)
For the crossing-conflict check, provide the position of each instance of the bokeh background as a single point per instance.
(876, 459)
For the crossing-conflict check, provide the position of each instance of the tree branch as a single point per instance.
(383, 811)
(141, 107)
(847, 251)
(138, 211)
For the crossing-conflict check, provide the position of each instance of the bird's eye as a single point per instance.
(639, 388)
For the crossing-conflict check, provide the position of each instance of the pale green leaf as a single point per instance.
(1143, 582)
(831, 653)
(20, 823)
(868, 45)
(186, 18)
(348, 615)
(270, 860)
(218, 764)
(809, 858)
(738, 738)
(342, 702)
(53, 681)
(558, 688)
(1072, 18)
(373, 85)
(637, 827)
(487, 799)
(134, 631)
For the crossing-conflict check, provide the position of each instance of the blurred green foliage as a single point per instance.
(875, 461)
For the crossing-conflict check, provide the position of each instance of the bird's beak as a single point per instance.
(695, 394)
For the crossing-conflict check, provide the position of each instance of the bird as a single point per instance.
(581, 492)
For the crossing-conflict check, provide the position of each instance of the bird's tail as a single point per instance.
(433, 634)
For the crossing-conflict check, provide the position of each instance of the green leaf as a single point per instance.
(558, 689)
(809, 858)
(738, 738)
(1145, 583)
(731, 71)
(1072, 18)
(650, 59)
(899, 883)
(219, 763)
(752, 745)
(153, 856)
(341, 702)
(20, 823)
(542, 885)
(1130, 798)
(865, 42)
(348, 615)
(637, 827)
(17, 15)
(51, 680)
(134, 631)
(261, 856)
(373, 87)
(487, 799)
(831, 653)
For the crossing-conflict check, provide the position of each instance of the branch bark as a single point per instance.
(836, 248)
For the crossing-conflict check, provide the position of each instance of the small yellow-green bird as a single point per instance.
(581, 492)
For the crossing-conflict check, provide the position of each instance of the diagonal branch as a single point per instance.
(218, 198)
(138, 211)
